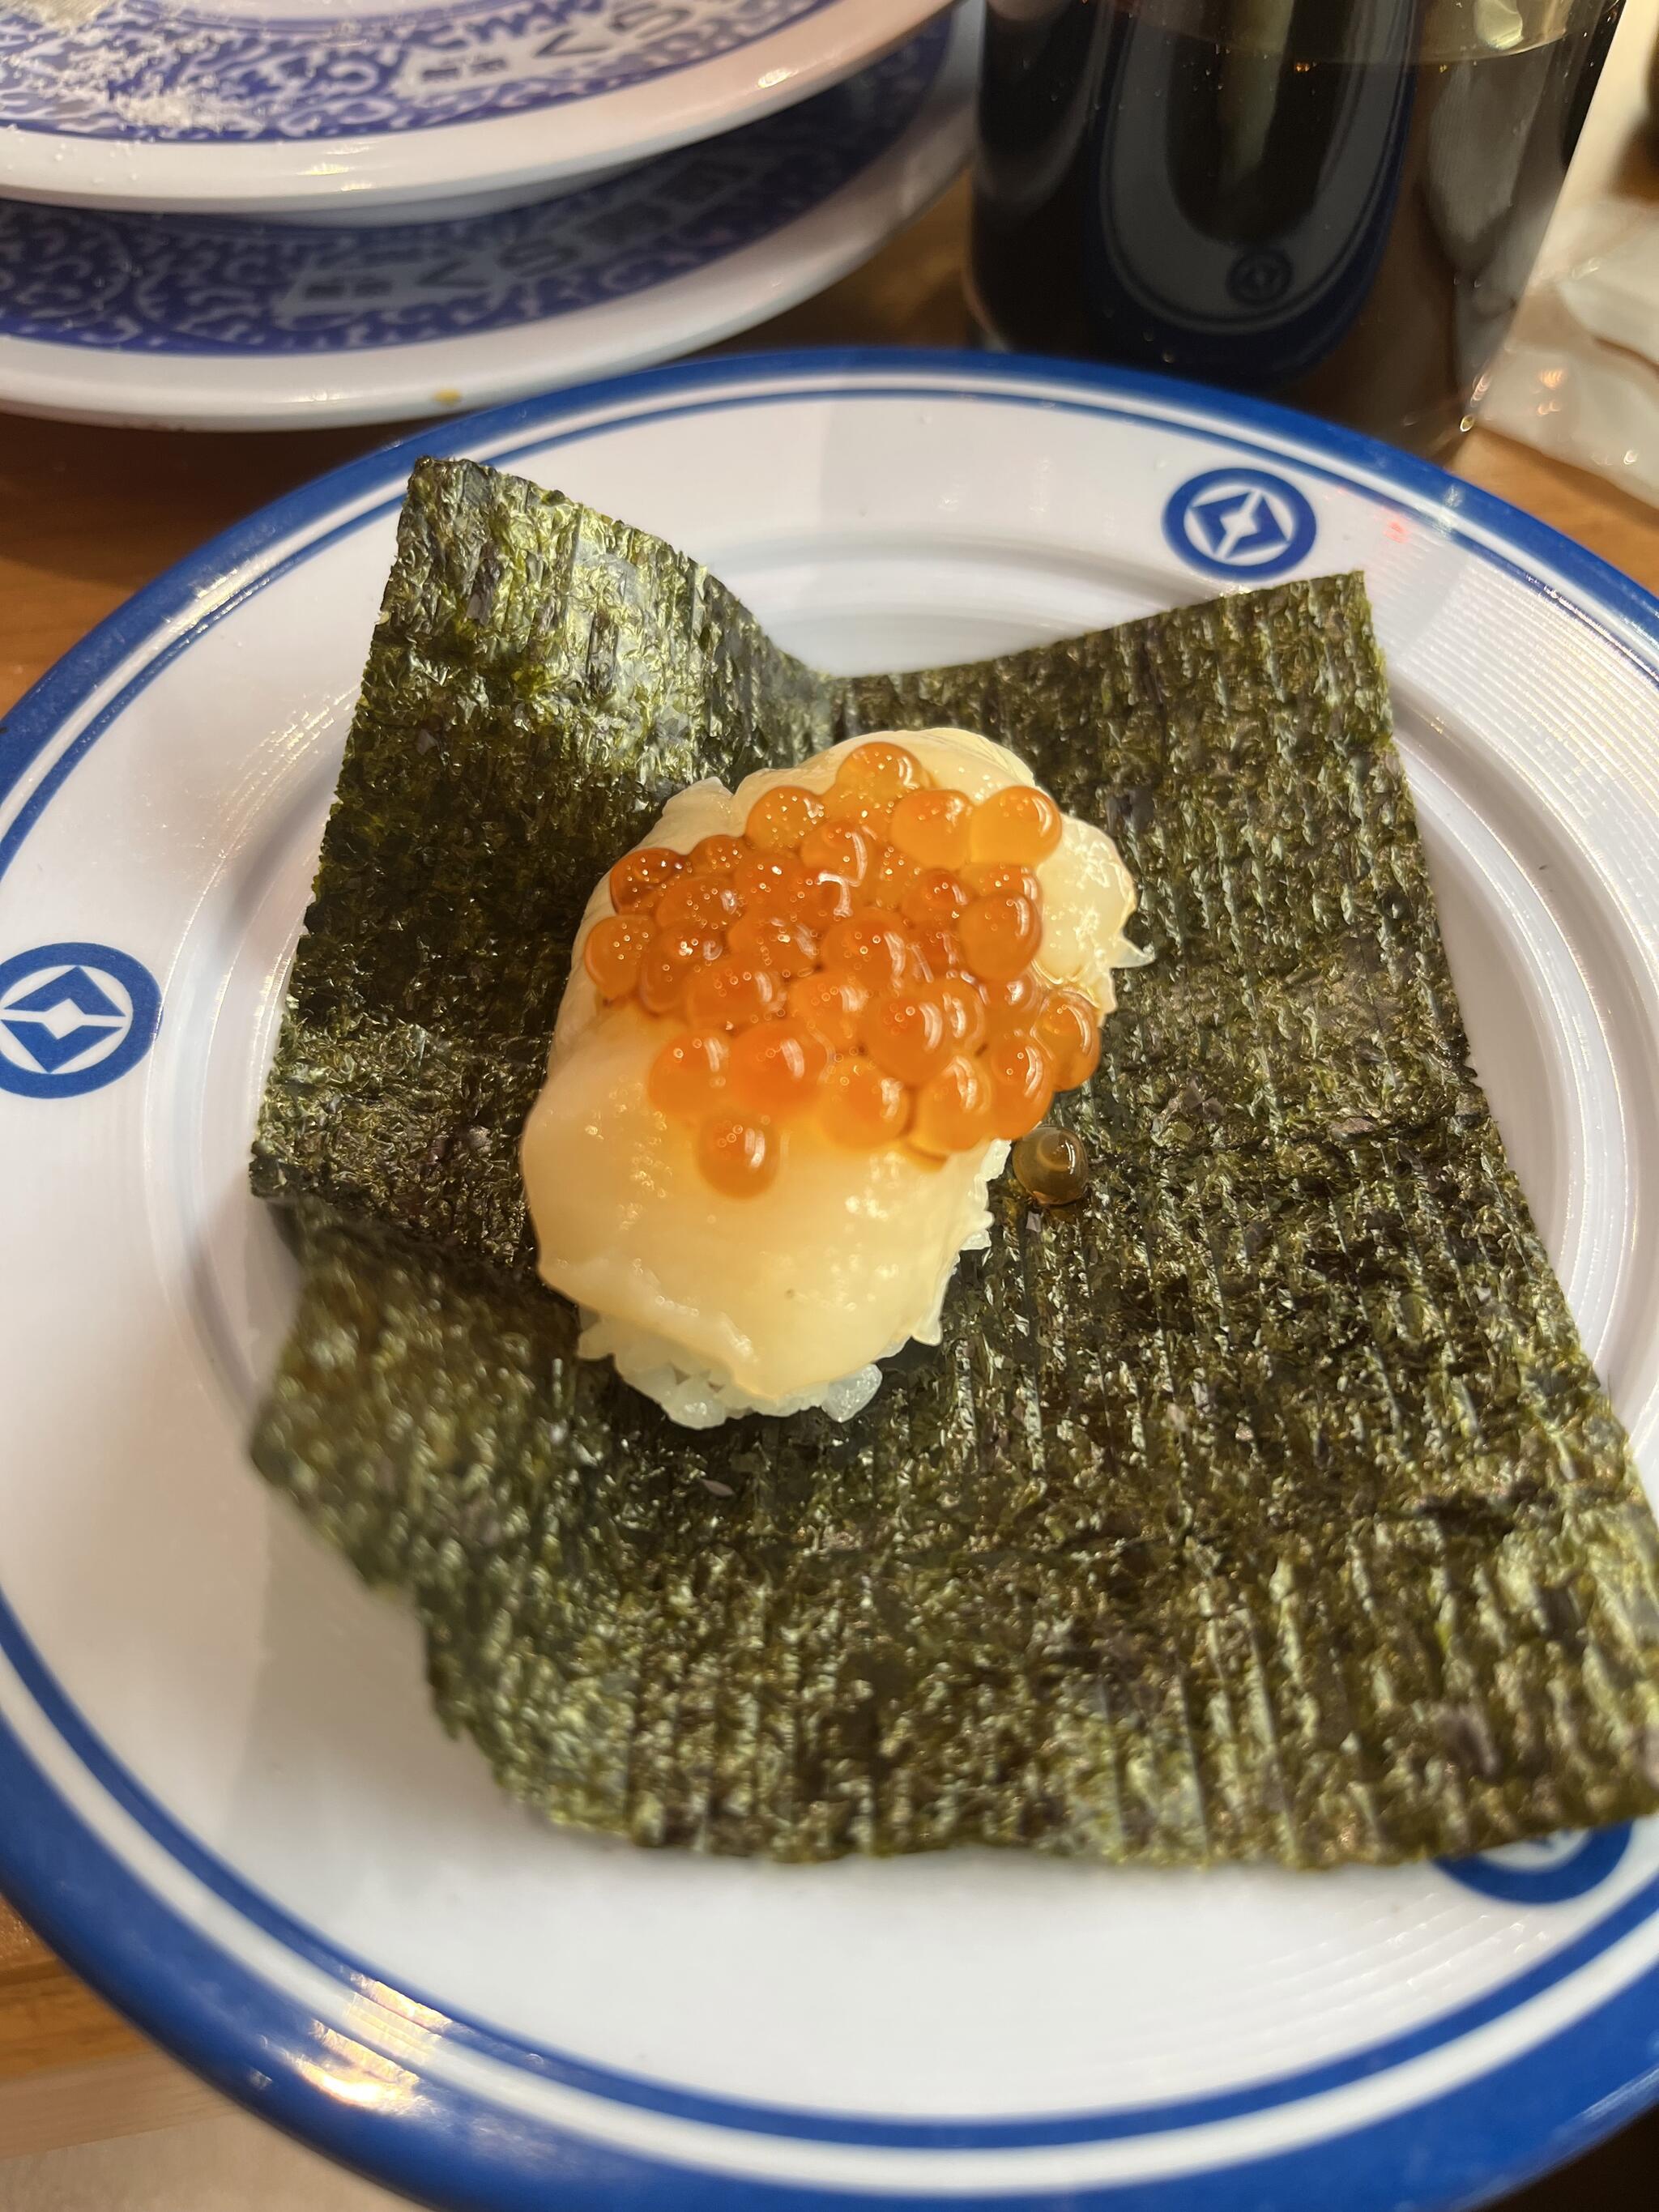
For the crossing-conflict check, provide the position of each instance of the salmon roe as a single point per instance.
(613, 952)
(639, 878)
(718, 856)
(862, 957)
(905, 1034)
(782, 817)
(1018, 823)
(829, 1004)
(737, 1155)
(863, 1107)
(933, 827)
(1068, 1030)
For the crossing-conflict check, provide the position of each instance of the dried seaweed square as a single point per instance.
(1263, 1505)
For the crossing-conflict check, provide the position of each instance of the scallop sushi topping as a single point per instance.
(867, 956)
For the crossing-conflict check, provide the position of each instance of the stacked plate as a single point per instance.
(256, 213)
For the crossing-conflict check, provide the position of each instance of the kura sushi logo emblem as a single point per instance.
(1551, 1870)
(1240, 522)
(73, 1018)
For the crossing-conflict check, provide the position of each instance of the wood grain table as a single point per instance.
(88, 515)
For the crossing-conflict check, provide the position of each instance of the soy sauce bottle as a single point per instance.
(1336, 203)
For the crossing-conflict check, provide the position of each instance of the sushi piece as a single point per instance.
(804, 1021)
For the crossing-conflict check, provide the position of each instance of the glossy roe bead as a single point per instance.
(731, 994)
(862, 1106)
(881, 769)
(781, 817)
(905, 1034)
(739, 1156)
(613, 952)
(933, 827)
(1016, 823)
(829, 1004)
(1021, 1083)
(954, 1109)
(776, 1068)
(999, 936)
(669, 958)
(1068, 1030)
(638, 877)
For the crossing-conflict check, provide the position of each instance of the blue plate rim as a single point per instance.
(67, 1862)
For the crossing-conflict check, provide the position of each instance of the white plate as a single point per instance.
(262, 106)
(190, 321)
(225, 1796)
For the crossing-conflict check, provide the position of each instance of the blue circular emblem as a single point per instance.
(1240, 522)
(72, 1018)
(1548, 1872)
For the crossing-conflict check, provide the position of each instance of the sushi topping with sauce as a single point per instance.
(865, 955)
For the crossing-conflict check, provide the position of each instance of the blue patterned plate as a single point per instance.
(223, 1794)
(187, 319)
(260, 107)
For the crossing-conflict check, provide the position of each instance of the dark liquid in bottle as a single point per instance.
(1334, 202)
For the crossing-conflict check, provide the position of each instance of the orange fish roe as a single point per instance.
(769, 882)
(881, 770)
(862, 1106)
(638, 877)
(836, 848)
(776, 1068)
(613, 951)
(1014, 1005)
(718, 856)
(905, 1034)
(829, 1003)
(1000, 936)
(1016, 823)
(695, 902)
(937, 950)
(731, 994)
(963, 1004)
(772, 940)
(864, 956)
(737, 1156)
(933, 827)
(783, 816)
(1002, 878)
(935, 899)
(891, 876)
(1022, 1080)
(955, 1109)
(669, 960)
(855, 810)
(819, 900)
(869, 946)
(1068, 1030)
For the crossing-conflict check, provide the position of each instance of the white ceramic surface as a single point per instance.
(187, 321)
(227, 1797)
(264, 106)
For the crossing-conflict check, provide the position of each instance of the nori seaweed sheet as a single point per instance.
(1263, 1505)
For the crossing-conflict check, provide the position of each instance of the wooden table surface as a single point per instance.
(88, 515)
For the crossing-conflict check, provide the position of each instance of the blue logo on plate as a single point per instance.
(1548, 1872)
(1240, 522)
(72, 1018)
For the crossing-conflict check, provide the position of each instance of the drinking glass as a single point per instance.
(1336, 203)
